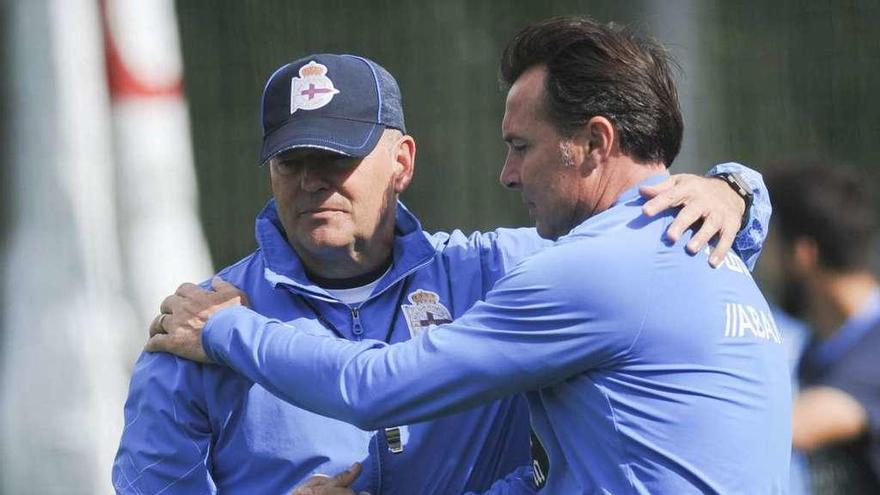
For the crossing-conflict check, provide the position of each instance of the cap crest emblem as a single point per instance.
(312, 89)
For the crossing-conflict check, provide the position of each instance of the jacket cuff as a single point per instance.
(218, 332)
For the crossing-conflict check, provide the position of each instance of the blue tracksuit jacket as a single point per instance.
(193, 428)
(646, 371)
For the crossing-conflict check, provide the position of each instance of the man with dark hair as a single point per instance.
(827, 226)
(625, 78)
(629, 387)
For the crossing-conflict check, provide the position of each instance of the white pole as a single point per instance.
(64, 311)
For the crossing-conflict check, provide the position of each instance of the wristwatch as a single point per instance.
(742, 188)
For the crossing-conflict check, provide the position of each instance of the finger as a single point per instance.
(728, 192)
(347, 477)
(170, 303)
(707, 231)
(663, 202)
(221, 285)
(158, 343)
(188, 289)
(720, 250)
(323, 490)
(653, 190)
(157, 326)
(317, 480)
(685, 218)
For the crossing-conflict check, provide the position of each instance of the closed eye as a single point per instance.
(284, 167)
(517, 146)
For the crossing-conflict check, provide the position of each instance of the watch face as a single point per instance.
(739, 182)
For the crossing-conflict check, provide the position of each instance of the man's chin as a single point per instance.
(326, 237)
(545, 232)
(793, 298)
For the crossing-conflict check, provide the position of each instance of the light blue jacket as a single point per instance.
(646, 370)
(200, 429)
(194, 429)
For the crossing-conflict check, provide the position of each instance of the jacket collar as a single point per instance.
(630, 196)
(411, 250)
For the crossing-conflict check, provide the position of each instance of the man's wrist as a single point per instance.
(217, 330)
(742, 189)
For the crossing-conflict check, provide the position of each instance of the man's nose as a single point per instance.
(510, 174)
(313, 178)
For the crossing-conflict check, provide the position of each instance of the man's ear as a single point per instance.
(404, 156)
(805, 254)
(599, 139)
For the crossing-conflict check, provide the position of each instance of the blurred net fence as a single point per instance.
(444, 55)
(766, 80)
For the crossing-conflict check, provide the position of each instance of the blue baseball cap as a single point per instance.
(339, 103)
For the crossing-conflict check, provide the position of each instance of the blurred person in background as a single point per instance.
(827, 227)
(337, 250)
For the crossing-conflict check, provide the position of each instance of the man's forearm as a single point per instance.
(350, 381)
(822, 415)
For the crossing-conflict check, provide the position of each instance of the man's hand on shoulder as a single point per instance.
(326, 485)
(703, 199)
(178, 328)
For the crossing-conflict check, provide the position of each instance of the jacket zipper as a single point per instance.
(357, 329)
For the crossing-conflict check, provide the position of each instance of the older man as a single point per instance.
(340, 256)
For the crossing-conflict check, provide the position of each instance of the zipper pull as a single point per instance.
(357, 329)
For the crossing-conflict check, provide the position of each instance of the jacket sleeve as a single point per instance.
(497, 252)
(750, 240)
(167, 436)
(528, 333)
(503, 249)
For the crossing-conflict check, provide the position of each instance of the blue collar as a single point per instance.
(627, 197)
(824, 353)
(411, 250)
(633, 192)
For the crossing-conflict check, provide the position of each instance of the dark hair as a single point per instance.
(831, 205)
(604, 70)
